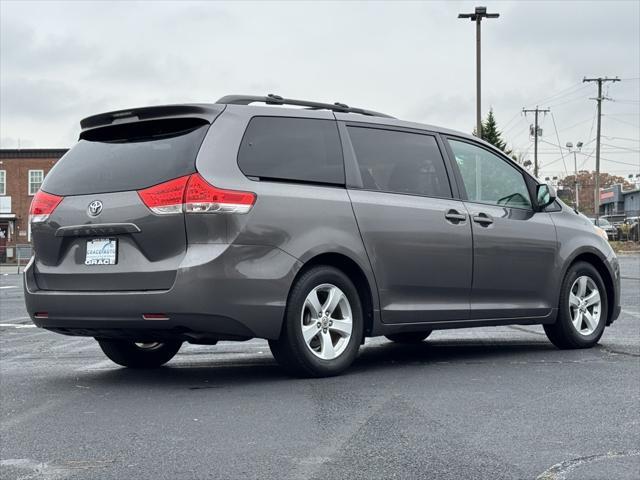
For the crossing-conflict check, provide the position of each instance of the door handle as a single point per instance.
(483, 219)
(455, 216)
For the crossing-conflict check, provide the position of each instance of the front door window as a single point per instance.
(488, 178)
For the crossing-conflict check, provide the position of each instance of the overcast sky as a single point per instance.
(62, 61)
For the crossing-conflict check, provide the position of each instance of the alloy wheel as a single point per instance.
(585, 305)
(326, 321)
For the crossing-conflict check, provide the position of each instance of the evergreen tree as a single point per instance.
(491, 134)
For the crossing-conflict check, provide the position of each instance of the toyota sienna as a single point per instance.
(313, 226)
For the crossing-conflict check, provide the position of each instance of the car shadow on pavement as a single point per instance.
(197, 374)
(453, 352)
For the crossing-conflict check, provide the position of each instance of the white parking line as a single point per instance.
(16, 318)
(16, 325)
(8, 286)
(629, 312)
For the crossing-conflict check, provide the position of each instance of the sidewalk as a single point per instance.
(7, 268)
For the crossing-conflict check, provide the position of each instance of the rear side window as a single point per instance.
(298, 149)
(128, 157)
(400, 162)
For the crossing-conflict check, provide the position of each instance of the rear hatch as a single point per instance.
(94, 225)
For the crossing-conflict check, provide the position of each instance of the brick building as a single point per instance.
(21, 173)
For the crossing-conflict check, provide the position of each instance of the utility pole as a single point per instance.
(535, 135)
(575, 166)
(477, 16)
(600, 81)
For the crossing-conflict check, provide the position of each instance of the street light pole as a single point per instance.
(575, 166)
(477, 16)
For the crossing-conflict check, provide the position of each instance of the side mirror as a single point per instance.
(545, 195)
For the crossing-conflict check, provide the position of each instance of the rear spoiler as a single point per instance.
(201, 111)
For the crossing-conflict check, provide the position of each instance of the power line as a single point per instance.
(593, 122)
(584, 162)
(515, 124)
(622, 163)
(576, 124)
(577, 99)
(623, 138)
(575, 88)
(621, 121)
(581, 96)
(510, 120)
(621, 148)
(554, 151)
(555, 161)
(550, 143)
(562, 93)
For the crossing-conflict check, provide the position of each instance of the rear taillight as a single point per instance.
(193, 194)
(166, 197)
(43, 205)
(202, 197)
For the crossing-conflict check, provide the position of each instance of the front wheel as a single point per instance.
(139, 354)
(582, 312)
(323, 325)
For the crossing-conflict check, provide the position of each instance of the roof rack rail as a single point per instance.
(272, 99)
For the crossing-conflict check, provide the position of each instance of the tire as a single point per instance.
(564, 333)
(409, 337)
(139, 355)
(328, 351)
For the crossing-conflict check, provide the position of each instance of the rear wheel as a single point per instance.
(582, 312)
(323, 325)
(409, 337)
(139, 354)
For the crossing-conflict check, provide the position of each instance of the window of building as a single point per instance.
(299, 149)
(3, 182)
(488, 178)
(35, 180)
(400, 162)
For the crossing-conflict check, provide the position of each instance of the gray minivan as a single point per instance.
(312, 227)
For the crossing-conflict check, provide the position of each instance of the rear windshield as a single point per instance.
(120, 158)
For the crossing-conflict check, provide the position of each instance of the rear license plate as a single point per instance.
(102, 251)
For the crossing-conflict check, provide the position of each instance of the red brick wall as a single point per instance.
(17, 164)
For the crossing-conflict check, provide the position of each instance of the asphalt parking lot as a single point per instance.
(489, 403)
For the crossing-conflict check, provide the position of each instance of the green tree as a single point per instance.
(491, 134)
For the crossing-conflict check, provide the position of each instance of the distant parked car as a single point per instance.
(603, 223)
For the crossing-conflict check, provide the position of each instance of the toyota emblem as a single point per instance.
(95, 208)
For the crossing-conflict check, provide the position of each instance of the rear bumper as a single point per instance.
(220, 291)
